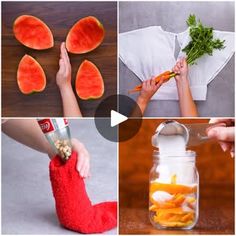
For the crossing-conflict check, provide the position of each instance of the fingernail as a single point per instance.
(224, 146)
(232, 154)
(212, 133)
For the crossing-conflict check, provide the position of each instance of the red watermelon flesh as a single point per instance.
(32, 32)
(89, 83)
(86, 35)
(30, 76)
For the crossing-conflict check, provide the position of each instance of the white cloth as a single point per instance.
(150, 51)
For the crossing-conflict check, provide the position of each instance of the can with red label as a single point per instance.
(57, 133)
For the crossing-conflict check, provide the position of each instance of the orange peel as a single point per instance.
(172, 188)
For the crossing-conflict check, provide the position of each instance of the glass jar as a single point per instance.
(57, 132)
(174, 191)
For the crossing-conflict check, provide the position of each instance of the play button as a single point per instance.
(118, 118)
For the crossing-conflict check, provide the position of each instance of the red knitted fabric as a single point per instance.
(73, 206)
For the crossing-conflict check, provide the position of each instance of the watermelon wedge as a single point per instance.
(32, 32)
(30, 76)
(89, 82)
(86, 35)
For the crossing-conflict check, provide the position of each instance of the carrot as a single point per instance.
(165, 76)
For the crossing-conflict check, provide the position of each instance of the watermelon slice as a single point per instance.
(32, 32)
(30, 76)
(86, 35)
(89, 83)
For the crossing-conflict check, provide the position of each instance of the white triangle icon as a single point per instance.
(117, 118)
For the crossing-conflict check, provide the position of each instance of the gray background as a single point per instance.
(172, 17)
(27, 200)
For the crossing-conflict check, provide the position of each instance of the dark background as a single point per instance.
(60, 17)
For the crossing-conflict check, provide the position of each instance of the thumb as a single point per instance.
(222, 133)
(184, 62)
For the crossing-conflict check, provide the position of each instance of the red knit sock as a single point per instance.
(73, 206)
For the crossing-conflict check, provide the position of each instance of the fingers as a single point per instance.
(222, 133)
(84, 170)
(159, 84)
(226, 146)
(62, 67)
(176, 68)
(79, 164)
(145, 85)
(180, 64)
(221, 124)
(83, 158)
(228, 122)
(61, 62)
(153, 81)
(232, 152)
(64, 56)
(83, 166)
(184, 62)
(153, 85)
(225, 135)
(64, 53)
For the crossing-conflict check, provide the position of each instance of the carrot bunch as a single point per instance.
(165, 76)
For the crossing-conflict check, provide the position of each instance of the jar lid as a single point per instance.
(170, 127)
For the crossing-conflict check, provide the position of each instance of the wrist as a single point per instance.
(142, 101)
(182, 82)
(65, 88)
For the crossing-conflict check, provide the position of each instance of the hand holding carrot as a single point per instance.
(181, 70)
(187, 105)
(149, 88)
(165, 76)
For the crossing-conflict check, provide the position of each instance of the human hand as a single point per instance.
(181, 68)
(83, 161)
(149, 87)
(63, 77)
(223, 133)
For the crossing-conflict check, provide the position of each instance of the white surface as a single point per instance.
(150, 51)
(219, 15)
